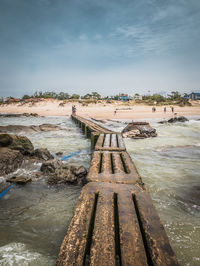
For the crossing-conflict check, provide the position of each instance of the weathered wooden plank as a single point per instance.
(99, 143)
(115, 224)
(117, 163)
(121, 141)
(110, 142)
(72, 250)
(132, 246)
(103, 239)
(116, 167)
(107, 141)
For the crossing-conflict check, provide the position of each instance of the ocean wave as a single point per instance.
(15, 254)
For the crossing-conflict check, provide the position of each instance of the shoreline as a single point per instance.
(101, 110)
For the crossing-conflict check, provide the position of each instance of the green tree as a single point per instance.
(96, 95)
(87, 96)
(174, 96)
(75, 96)
(26, 96)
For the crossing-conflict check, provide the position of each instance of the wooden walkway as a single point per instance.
(115, 221)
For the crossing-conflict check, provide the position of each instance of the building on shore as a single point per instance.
(124, 97)
(194, 96)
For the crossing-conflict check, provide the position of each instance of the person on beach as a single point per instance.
(172, 108)
(165, 109)
(74, 109)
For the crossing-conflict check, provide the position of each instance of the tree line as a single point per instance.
(61, 95)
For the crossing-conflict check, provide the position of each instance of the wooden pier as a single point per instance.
(115, 221)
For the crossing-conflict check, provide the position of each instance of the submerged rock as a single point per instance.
(14, 142)
(174, 120)
(19, 115)
(139, 130)
(29, 129)
(59, 153)
(19, 180)
(10, 160)
(63, 173)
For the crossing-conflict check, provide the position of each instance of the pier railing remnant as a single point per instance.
(115, 221)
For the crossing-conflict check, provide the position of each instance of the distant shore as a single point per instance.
(100, 110)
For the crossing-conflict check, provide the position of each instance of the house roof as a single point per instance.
(195, 93)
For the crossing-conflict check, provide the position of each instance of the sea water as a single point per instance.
(34, 218)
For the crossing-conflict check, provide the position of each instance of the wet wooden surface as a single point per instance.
(115, 221)
(110, 142)
(132, 235)
(114, 167)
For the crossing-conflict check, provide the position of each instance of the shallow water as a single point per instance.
(169, 166)
(34, 218)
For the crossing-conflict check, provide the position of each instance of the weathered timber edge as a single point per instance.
(114, 221)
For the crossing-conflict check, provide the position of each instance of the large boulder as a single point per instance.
(174, 120)
(50, 166)
(139, 130)
(59, 172)
(14, 142)
(43, 154)
(10, 160)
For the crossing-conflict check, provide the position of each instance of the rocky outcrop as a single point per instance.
(174, 120)
(42, 154)
(14, 142)
(14, 149)
(49, 167)
(20, 115)
(22, 180)
(29, 129)
(10, 160)
(139, 130)
(59, 172)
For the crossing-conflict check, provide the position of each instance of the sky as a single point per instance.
(80, 46)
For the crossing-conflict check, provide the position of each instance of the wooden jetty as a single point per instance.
(114, 221)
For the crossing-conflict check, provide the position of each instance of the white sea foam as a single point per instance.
(15, 254)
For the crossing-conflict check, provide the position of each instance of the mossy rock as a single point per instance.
(5, 140)
(21, 143)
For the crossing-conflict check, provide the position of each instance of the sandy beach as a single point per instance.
(99, 110)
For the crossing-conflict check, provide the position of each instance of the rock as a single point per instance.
(29, 129)
(50, 166)
(43, 154)
(30, 114)
(80, 171)
(21, 143)
(139, 130)
(59, 153)
(5, 140)
(15, 142)
(19, 180)
(178, 119)
(19, 129)
(49, 127)
(19, 115)
(174, 120)
(63, 173)
(10, 160)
